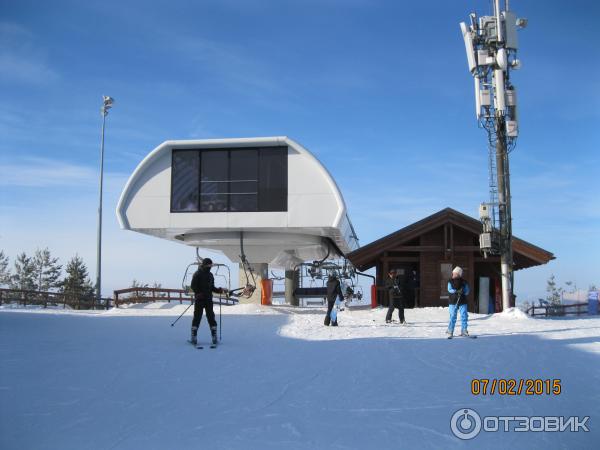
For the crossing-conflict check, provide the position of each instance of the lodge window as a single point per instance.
(445, 275)
(229, 180)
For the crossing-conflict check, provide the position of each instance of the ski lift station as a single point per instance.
(266, 199)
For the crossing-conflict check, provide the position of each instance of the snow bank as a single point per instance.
(126, 379)
(514, 314)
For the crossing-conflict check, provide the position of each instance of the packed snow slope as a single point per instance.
(126, 379)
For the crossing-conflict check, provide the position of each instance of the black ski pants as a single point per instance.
(329, 309)
(395, 303)
(199, 306)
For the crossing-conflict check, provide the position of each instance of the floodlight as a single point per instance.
(107, 103)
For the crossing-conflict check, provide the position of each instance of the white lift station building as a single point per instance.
(210, 193)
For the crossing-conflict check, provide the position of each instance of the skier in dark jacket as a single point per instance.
(458, 289)
(203, 285)
(396, 285)
(334, 291)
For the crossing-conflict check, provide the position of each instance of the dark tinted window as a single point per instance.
(214, 168)
(272, 185)
(240, 179)
(243, 176)
(184, 181)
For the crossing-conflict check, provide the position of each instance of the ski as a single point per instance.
(195, 344)
(469, 336)
(199, 346)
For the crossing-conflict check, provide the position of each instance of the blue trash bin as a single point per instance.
(593, 303)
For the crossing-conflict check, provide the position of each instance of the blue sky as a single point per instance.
(379, 91)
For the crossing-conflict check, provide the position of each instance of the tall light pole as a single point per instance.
(107, 103)
(491, 43)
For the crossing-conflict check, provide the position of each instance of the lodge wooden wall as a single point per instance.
(455, 249)
(444, 247)
(440, 242)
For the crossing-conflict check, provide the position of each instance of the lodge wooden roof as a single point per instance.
(525, 254)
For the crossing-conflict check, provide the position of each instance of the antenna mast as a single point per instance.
(491, 43)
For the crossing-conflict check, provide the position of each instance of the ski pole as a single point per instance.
(182, 313)
(220, 321)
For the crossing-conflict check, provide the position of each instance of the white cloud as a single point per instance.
(45, 172)
(42, 172)
(20, 60)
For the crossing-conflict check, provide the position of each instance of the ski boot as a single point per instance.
(464, 333)
(334, 323)
(194, 336)
(213, 332)
(449, 333)
(327, 321)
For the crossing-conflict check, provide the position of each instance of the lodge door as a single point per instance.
(411, 272)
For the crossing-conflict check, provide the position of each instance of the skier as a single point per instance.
(203, 285)
(334, 291)
(397, 287)
(458, 289)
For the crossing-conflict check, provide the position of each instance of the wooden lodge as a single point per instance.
(431, 248)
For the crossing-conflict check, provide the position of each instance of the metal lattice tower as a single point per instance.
(491, 43)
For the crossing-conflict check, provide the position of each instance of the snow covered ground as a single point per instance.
(126, 379)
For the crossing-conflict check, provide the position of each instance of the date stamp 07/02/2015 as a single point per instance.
(513, 386)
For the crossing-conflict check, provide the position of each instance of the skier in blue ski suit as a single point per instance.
(458, 289)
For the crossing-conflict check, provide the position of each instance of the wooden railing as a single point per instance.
(147, 294)
(548, 309)
(45, 299)
(121, 296)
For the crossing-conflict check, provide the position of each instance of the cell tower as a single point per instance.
(491, 43)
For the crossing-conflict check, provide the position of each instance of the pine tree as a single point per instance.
(554, 293)
(24, 276)
(47, 271)
(77, 282)
(4, 271)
